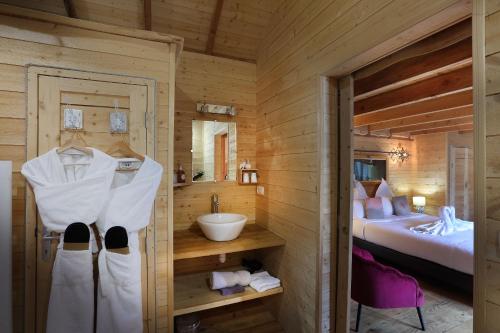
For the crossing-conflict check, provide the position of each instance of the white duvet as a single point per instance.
(455, 251)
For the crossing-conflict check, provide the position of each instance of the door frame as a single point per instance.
(31, 216)
(340, 80)
(451, 173)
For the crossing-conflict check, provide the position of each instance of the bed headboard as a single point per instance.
(371, 187)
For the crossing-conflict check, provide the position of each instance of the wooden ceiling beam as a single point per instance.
(436, 124)
(416, 68)
(148, 22)
(214, 24)
(70, 8)
(220, 55)
(446, 83)
(440, 40)
(433, 104)
(429, 117)
(457, 128)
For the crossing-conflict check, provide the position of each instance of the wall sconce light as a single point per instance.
(217, 109)
(419, 203)
(399, 154)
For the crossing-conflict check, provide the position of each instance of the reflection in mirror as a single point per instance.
(214, 151)
(370, 169)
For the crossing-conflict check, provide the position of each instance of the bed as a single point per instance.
(448, 259)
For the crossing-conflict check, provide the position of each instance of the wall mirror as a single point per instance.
(214, 151)
(370, 169)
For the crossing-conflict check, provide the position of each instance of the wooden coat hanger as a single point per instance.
(76, 142)
(122, 149)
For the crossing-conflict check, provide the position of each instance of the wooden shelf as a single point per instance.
(249, 171)
(193, 244)
(181, 184)
(192, 294)
(251, 316)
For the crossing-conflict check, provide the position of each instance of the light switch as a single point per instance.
(260, 190)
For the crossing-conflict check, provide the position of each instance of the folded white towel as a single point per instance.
(446, 225)
(220, 280)
(263, 281)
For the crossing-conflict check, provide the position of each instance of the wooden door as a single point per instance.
(96, 95)
(461, 178)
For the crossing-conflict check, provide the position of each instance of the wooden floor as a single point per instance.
(444, 312)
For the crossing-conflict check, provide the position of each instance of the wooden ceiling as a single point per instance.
(226, 28)
(424, 88)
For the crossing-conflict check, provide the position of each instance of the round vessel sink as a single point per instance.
(221, 227)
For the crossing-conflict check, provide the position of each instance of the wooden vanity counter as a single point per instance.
(193, 244)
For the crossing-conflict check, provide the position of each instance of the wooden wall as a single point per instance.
(400, 176)
(203, 78)
(307, 39)
(426, 172)
(75, 45)
(431, 170)
(488, 251)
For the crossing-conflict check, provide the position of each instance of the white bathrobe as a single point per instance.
(70, 188)
(119, 303)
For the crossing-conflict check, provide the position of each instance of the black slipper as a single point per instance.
(76, 236)
(116, 238)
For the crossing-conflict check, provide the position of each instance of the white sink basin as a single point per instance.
(221, 227)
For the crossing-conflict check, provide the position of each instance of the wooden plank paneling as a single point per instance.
(430, 177)
(491, 323)
(81, 46)
(422, 107)
(492, 38)
(307, 39)
(399, 176)
(437, 41)
(52, 6)
(127, 13)
(452, 128)
(12, 105)
(434, 124)
(12, 78)
(487, 301)
(422, 65)
(461, 111)
(446, 83)
(234, 84)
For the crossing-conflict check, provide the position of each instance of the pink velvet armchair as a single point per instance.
(382, 287)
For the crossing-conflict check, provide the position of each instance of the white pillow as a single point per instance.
(358, 209)
(384, 190)
(387, 206)
(359, 191)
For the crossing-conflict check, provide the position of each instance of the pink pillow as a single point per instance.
(374, 208)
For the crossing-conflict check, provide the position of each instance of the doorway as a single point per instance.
(345, 101)
(51, 93)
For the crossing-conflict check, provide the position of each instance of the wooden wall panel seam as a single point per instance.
(480, 203)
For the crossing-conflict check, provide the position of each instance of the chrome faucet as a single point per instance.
(215, 203)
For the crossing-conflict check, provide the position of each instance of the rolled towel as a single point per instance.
(219, 280)
(232, 290)
(263, 281)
